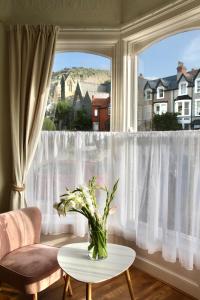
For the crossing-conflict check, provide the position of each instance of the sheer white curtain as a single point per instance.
(157, 202)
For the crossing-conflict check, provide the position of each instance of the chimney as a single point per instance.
(181, 69)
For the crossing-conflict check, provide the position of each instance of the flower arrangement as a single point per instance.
(83, 200)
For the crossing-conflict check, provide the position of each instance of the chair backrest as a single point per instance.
(19, 228)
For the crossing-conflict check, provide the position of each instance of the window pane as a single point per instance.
(198, 108)
(80, 91)
(187, 109)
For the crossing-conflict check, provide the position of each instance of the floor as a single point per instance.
(145, 288)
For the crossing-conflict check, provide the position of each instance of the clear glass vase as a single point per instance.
(97, 248)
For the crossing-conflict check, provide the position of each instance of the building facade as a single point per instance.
(178, 93)
(101, 114)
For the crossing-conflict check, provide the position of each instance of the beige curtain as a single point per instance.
(31, 51)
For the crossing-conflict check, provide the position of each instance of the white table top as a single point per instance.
(74, 260)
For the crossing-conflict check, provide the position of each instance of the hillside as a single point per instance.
(84, 74)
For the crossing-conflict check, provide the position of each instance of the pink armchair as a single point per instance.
(25, 263)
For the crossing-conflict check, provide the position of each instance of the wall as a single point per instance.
(134, 9)
(62, 12)
(5, 148)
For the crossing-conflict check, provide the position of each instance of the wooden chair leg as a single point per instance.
(35, 296)
(67, 286)
(130, 287)
(88, 291)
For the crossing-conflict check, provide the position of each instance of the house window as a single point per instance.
(109, 110)
(95, 126)
(183, 108)
(182, 88)
(76, 86)
(160, 108)
(96, 112)
(70, 86)
(197, 86)
(160, 92)
(148, 94)
(197, 107)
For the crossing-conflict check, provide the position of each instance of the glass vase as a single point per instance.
(97, 248)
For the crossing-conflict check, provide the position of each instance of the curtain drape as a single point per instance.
(31, 50)
(158, 197)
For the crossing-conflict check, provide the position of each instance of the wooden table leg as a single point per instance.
(67, 286)
(88, 291)
(130, 287)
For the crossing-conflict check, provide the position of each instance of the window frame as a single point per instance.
(179, 88)
(195, 107)
(160, 104)
(196, 86)
(150, 93)
(96, 112)
(183, 107)
(160, 88)
(95, 42)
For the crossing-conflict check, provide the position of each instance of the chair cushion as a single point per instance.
(31, 268)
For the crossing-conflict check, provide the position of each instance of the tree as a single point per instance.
(48, 125)
(167, 121)
(82, 121)
(63, 112)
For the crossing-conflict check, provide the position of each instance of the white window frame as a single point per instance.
(196, 86)
(148, 92)
(96, 112)
(179, 88)
(195, 108)
(123, 44)
(160, 105)
(183, 107)
(160, 88)
(107, 45)
(138, 36)
(95, 126)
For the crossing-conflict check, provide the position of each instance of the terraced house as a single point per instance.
(178, 93)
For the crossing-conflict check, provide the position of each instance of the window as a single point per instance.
(160, 92)
(96, 112)
(183, 108)
(197, 85)
(197, 107)
(148, 94)
(109, 110)
(160, 108)
(78, 86)
(70, 86)
(95, 126)
(182, 88)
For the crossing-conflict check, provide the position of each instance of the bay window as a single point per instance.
(183, 107)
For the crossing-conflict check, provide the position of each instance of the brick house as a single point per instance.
(178, 93)
(86, 92)
(101, 114)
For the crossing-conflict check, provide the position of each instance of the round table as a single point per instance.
(74, 261)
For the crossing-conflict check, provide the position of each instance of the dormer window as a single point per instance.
(148, 94)
(197, 85)
(183, 88)
(160, 92)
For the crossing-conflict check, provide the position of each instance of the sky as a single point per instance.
(158, 60)
(161, 59)
(78, 59)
